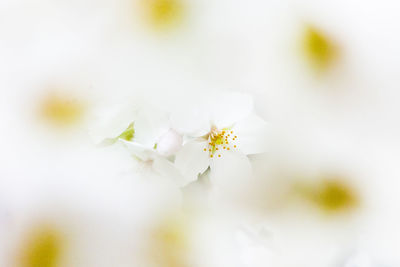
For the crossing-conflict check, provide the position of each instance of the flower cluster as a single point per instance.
(163, 141)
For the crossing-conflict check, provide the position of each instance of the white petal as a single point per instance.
(169, 143)
(229, 108)
(110, 122)
(230, 170)
(191, 120)
(138, 150)
(149, 126)
(252, 135)
(168, 170)
(192, 160)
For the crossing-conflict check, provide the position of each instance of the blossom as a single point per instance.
(222, 129)
(154, 142)
(148, 137)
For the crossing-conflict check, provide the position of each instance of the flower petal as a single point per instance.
(167, 169)
(109, 123)
(230, 170)
(138, 150)
(149, 126)
(252, 134)
(192, 121)
(229, 108)
(169, 143)
(191, 160)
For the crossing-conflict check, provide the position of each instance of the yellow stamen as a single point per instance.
(218, 139)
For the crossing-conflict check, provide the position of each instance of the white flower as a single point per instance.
(178, 239)
(147, 135)
(154, 142)
(152, 135)
(219, 133)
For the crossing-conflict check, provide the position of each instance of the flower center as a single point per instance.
(44, 248)
(219, 140)
(169, 244)
(163, 14)
(61, 110)
(330, 195)
(319, 49)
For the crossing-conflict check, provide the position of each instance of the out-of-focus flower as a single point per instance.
(329, 194)
(323, 182)
(224, 126)
(52, 107)
(319, 50)
(168, 243)
(61, 110)
(75, 213)
(256, 247)
(358, 258)
(163, 14)
(181, 239)
(311, 201)
(41, 234)
(44, 247)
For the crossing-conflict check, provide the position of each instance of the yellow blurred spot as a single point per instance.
(330, 195)
(43, 248)
(169, 244)
(320, 51)
(163, 14)
(61, 110)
